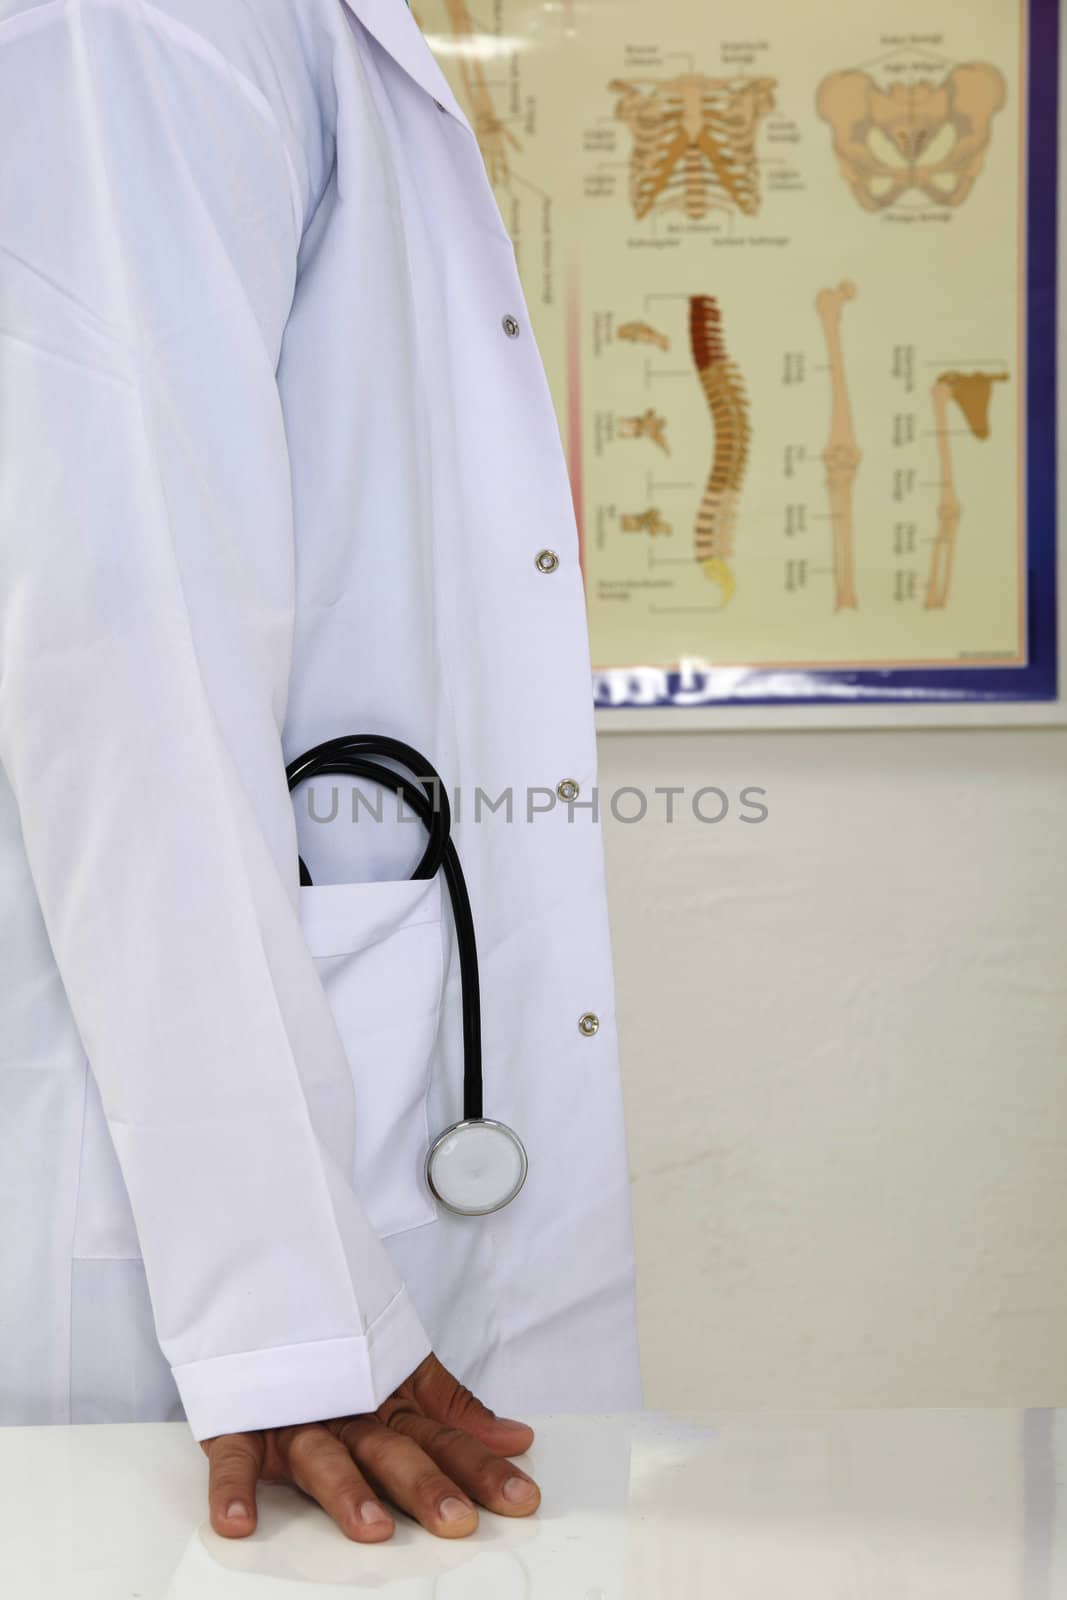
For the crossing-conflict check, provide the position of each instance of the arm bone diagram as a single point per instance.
(972, 392)
(492, 132)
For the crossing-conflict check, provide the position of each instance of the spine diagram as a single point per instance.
(694, 143)
(492, 133)
(929, 136)
(972, 392)
(650, 522)
(842, 455)
(649, 425)
(724, 392)
(642, 333)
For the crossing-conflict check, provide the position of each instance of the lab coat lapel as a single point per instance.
(396, 30)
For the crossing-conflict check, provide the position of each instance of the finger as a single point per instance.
(234, 1460)
(320, 1464)
(443, 1397)
(486, 1477)
(411, 1479)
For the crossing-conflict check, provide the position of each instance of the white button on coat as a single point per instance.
(270, 474)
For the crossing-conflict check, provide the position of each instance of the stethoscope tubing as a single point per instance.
(353, 755)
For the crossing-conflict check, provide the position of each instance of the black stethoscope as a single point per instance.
(477, 1165)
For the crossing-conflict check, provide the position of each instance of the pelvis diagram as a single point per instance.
(694, 142)
(724, 392)
(971, 392)
(928, 137)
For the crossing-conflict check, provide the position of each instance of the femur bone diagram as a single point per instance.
(931, 137)
(724, 390)
(694, 143)
(842, 455)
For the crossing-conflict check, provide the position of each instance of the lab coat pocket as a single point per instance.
(377, 950)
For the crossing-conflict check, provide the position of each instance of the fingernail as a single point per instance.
(453, 1510)
(371, 1511)
(510, 1422)
(236, 1508)
(518, 1489)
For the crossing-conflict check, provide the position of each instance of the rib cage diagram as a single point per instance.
(927, 136)
(694, 143)
(842, 455)
(724, 390)
(972, 392)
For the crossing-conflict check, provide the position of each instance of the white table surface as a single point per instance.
(868, 1505)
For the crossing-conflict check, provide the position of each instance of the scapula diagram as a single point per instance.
(972, 392)
(724, 391)
(694, 142)
(642, 333)
(925, 136)
(842, 455)
(649, 425)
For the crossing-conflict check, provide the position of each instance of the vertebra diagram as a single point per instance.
(649, 425)
(650, 522)
(694, 142)
(842, 455)
(929, 136)
(642, 333)
(971, 392)
(724, 391)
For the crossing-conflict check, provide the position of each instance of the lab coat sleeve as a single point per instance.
(151, 214)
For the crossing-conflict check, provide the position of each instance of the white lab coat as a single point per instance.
(272, 470)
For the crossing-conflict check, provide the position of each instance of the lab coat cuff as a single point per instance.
(304, 1382)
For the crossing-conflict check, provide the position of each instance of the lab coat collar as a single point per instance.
(396, 30)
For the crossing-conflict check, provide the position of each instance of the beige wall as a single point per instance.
(843, 1037)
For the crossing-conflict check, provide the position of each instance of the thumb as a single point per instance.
(443, 1397)
(235, 1460)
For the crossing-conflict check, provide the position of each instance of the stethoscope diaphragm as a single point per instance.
(476, 1166)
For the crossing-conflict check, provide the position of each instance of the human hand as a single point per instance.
(431, 1448)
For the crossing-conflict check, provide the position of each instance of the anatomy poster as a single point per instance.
(792, 271)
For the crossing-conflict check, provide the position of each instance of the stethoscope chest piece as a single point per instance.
(476, 1166)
